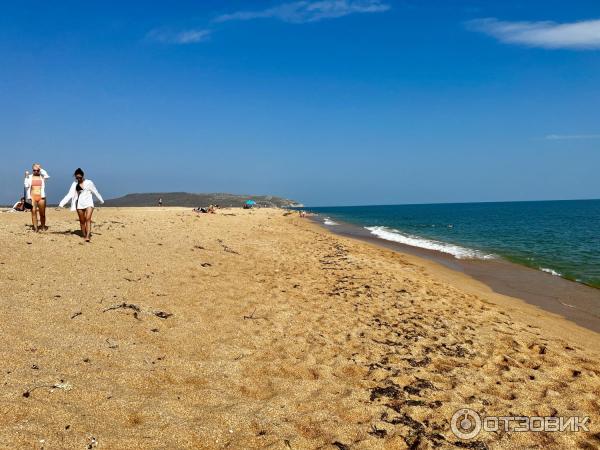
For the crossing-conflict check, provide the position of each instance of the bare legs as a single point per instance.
(81, 215)
(34, 215)
(88, 223)
(85, 222)
(38, 207)
(42, 210)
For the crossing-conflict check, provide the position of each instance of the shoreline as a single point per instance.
(576, 302)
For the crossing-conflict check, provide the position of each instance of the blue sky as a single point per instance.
(329, 102)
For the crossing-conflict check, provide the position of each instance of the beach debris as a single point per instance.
(377, 432)
(63, 385)
(137, 310)
(340, 446)
(419, 363)
(416, 387)
(112, 346)
(206, 264)
(391, 391)
(226, 248)
(35, 367)
(475, 445)
(92, 442)
(162, 314)
(251, 316)
(453, 350)
(78, 313)
(398, 405)
(230, 250)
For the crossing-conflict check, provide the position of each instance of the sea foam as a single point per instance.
(416, 241)
(328, 221)
(550, 271)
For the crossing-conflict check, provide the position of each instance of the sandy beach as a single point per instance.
(259, 329)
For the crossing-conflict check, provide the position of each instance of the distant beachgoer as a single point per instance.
(22, 205)
(80, 195)
(160, 202)
(19, 206)
(35, 190)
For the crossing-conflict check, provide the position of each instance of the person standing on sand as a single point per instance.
(35, 191)
(160, 201)
(80, 195)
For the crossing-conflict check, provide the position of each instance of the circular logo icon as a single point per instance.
(465, 423)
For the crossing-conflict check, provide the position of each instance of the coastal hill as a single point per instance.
(194, 200)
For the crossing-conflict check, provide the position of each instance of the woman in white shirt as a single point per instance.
(80, 195)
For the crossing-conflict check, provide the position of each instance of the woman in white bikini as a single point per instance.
(82, 201)
(35, 189)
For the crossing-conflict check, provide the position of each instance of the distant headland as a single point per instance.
(199, 199)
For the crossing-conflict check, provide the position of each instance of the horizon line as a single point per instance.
(460, 203)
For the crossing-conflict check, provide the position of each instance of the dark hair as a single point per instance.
(78, 172)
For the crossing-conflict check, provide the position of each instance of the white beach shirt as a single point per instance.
(27, 183)
(84, 199)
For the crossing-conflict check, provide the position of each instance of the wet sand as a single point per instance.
(574, 301)
(259, 329)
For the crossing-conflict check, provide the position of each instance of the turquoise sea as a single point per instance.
(558, 237)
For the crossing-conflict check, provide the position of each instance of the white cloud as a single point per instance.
(561, 137)
(583, 35)
(309, 11)
(178, 37)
